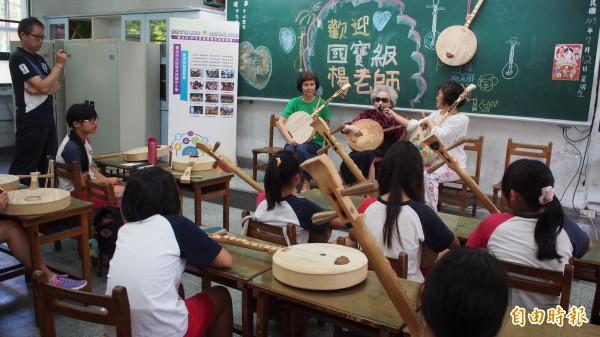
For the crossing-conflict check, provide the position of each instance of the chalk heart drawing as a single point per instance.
(256, 65)
(287, 39)
(380, 19)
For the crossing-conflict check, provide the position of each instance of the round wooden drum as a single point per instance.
(417, 137)
(8, 182)
(38, 201)
(200, 163)
(298, 125)
(320, 266)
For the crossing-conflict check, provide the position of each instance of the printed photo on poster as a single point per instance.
(211, 110)
(196, 97)
(227, 111)
(197, 85)
(195, 72)
(212, 86)
(212, 98)
(226, 98)
(226, 86)
(567, 62)
(196, 110)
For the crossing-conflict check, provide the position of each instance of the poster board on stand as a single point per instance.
(202, 85)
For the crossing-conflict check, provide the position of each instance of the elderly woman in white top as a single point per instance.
(450, 126)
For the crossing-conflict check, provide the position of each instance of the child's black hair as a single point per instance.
(281, 170)
(149, 192)
(527, 177)
(401, 171)
(79, 113)
(465, 294)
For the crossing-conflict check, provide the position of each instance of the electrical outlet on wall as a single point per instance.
(587, 213)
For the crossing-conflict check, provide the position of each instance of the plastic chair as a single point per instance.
(457, 193)
(101, 309)
(269, 150)
(521, 150)
(543, 281)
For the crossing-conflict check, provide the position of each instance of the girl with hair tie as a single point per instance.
(398, 218)
(279, 206)
(535, 233)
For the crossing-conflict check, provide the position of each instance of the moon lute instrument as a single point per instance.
(436, 144)
(34, 201)
(321, 126)
(419, 134)
(313, 266)
(372, 135)
(137, 154)
(220, 158)
(9, 182)
(457, 45)
(298, 123)
(325, 174)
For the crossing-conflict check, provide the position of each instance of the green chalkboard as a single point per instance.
(535, 59)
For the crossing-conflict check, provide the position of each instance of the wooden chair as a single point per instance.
(106, 193)
(457, 193)
(103, 192)
(399, 265)
(285, 236)
(101, 309)
(522, 150)
(71, 172)
(543, 281)
(269, 150)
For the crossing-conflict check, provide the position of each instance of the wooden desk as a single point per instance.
(213, 184)
(247, 264)
(81, 212)
(365, 305)
(587, 268)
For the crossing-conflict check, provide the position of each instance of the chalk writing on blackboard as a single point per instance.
(287, 39)
(256, 65)
(510, 70)
(487, 82)
(360, 39)
(431, 37)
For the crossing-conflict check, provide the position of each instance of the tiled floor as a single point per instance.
(16, 307)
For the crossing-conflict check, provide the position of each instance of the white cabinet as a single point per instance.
(121, 80)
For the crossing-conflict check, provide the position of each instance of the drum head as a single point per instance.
(38, 201)
(320, 266)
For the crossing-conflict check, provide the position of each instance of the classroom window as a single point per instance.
(11, 12)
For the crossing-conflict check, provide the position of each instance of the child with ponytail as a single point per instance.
(536, 233)
(280, 206)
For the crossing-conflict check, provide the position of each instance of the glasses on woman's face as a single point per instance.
(92, 121)
(381, 99)
(37, 37)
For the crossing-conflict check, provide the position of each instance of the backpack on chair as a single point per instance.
(107, 222)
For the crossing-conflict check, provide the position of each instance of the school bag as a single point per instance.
(107, 222)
